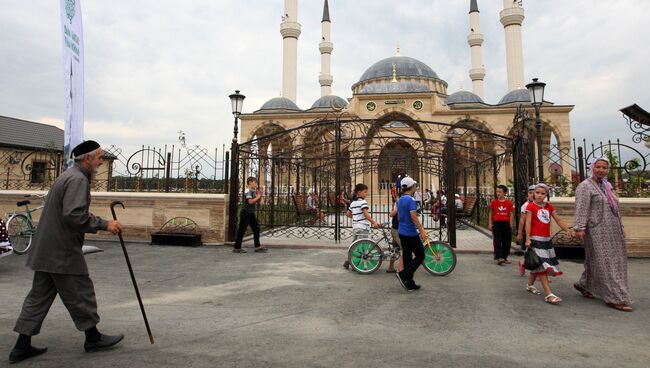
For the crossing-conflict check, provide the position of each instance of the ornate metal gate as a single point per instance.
(324, 160)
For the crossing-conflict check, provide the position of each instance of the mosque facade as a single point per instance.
(399, 89)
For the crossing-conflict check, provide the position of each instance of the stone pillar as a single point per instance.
(512, 16)
(290, 30)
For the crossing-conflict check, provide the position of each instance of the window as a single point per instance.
(38, 172)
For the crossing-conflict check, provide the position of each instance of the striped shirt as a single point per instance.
(359, 221)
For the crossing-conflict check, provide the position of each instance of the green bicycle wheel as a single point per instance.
(365, 256)
(20, 231)
(442, 262)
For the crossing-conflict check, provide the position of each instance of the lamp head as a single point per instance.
(536, 91)
(237, 101)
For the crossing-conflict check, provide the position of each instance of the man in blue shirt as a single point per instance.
(409, 232)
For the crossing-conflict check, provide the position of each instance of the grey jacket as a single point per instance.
(56, 247)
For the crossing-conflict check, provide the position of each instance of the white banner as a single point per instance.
(73, 74)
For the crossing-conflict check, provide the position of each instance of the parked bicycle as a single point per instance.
(20, 226)
(366, 255)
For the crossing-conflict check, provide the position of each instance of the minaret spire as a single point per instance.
(475, 41)
(512, 16)
(290, 30)
(325, 79)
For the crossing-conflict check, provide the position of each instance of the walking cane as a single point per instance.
(128, 263)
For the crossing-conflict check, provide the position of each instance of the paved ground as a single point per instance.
(209, 307)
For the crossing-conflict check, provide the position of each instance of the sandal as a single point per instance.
(620, 307)
(533, 290)
(552, 299)
(583, 291)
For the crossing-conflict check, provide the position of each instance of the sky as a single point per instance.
(157, 67)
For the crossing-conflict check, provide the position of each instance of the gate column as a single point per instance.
(450, 174)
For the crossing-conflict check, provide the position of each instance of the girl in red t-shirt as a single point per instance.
(538, 238)
(501, 222)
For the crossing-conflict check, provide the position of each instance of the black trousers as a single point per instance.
(411, 246)
(501, 237)
(245, 219)
(76, 292)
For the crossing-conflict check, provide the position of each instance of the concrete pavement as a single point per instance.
(209, 307)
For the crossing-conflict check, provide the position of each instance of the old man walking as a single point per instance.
(58, 261)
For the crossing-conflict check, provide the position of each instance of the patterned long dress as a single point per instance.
(605, 274)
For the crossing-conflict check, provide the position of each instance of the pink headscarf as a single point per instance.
(609, 192)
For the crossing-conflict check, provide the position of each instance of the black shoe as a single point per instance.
(239, 250)
(18, 355)
(401, 280)
(260, 250)
(413, 287)
(346, 265)
(104, 342)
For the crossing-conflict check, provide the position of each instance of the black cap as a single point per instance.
(84, 147)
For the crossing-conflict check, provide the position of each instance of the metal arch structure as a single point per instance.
(328, 156)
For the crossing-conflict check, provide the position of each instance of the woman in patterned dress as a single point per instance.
(598, 224)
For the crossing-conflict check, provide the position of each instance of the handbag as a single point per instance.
(531, 260)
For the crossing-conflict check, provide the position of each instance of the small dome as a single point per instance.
(330, 102)
(517, 95)
(279, 103)
(404, 67)
(463, 97)
(394, 87)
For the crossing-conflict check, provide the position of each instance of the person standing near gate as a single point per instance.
(58, 261)
(247, 217)
(410, 238)
(501, 221)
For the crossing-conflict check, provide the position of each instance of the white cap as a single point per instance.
(457, 195)
(407, 183)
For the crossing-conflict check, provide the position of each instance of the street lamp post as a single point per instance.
(536, 91)
(237, 100)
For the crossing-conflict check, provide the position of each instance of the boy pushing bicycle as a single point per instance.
(360, 214)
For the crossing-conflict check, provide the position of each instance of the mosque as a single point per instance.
(398, 89)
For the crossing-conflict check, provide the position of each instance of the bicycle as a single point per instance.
(20, 226)
(366, 255)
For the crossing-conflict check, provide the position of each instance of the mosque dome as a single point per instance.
(394, 87)
(279, 103)
(404, 66)
(463, 97)
(517, 95)
(329, 102)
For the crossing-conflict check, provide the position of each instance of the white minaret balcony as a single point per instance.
(325, 80)
(475, 39)
(326, 47)
(477, 73)
(512, 16)
(290, 29)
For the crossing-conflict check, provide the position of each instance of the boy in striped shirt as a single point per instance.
(361, 219)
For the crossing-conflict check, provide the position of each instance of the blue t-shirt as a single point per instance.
(405, 205)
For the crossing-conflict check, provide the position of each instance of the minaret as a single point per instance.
(512, 16)
(475, 40)
(290, 30)
(325, 79)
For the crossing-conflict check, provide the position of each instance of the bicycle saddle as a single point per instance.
(23, 203)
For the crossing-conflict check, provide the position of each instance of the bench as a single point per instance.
(303, 215)
(469, 205)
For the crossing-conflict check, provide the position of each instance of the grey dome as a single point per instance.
(463, 97)
(405, 67)
(394, 87)
(330, 102)
(279, 103)
(517, 95)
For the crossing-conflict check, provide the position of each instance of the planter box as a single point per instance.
(188, 240)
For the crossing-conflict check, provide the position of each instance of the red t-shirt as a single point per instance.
(540, 224)
(501, 210)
